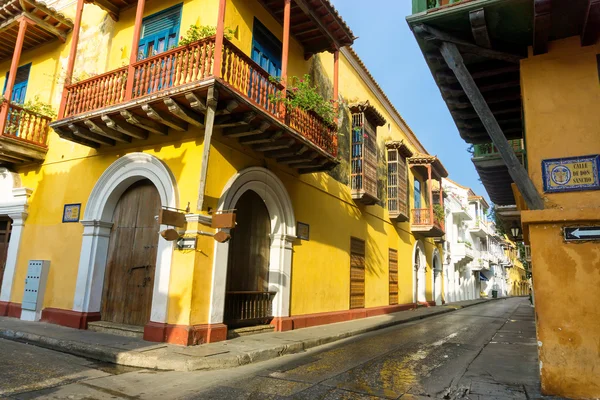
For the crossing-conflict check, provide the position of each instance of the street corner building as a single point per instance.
(521, 79)
(158, 179)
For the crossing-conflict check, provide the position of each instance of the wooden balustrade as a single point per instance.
(192, 63)
(247, 307)
(26, 125)
(314, 128)
(173, 68)
(250, 79)
(421, 216)
(97, 92)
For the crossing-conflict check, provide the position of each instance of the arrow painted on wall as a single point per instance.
(579, 233)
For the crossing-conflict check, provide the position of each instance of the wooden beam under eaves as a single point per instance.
(591, 25)
(542, 24)
(430, 33)
(479, 28)
(455, 61)
(307, 9)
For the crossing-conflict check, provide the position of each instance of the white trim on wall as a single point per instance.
(13, 203)
(283, 232)
(97, 223)
(419, 290)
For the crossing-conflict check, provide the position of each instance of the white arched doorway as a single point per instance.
(14, 206)
(97, 223)
(419, 273)
(283, 232)
(437, 277)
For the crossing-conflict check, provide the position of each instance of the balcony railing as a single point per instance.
(425, 217)
(190, 64)
(248, 308)
(24, 125)
(490, 149)
(424, 5)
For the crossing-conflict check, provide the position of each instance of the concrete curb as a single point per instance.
(179, 362)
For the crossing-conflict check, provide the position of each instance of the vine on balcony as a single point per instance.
(198, 32)
(304, 95)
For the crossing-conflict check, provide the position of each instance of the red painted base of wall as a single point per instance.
(70, 318)
(184, 334)
(8, 309)
(308, 320)
(427, 303)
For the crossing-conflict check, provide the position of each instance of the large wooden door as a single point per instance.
(5, 226)
(129, 277)
(248, 301)
(249, 247)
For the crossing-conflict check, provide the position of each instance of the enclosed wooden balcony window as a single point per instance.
(397, 181)
(365, 120)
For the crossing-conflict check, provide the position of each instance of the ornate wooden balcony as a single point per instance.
(23, 140)
(425, 222)
(171, 90)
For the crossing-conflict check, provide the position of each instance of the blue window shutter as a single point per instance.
(20, 87)
(169, 19)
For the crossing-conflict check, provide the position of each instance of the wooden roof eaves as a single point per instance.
(403, 149)
(372, 114)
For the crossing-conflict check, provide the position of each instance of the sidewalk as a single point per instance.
(135, 352)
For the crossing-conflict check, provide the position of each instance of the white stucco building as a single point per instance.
(475, 263)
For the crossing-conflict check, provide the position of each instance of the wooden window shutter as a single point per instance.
(363, 174)
(393, 265)
(397, 185)
(357, 273)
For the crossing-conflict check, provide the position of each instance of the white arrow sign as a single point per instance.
(579, 233)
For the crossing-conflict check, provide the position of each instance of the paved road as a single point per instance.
(482, 352)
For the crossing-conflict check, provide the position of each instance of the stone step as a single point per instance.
(249, 330)
(117, 329)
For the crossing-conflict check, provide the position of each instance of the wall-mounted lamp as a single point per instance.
(515, 230)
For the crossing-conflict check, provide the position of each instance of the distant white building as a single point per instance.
(474, 264)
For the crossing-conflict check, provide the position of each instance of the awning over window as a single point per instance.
(482, 277)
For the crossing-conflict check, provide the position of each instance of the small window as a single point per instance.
(357, 273)
(417, 192)
(393, 276)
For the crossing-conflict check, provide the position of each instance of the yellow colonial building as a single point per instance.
(118, 211)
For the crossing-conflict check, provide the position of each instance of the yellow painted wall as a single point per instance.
(561, 95)
(320, 271)
(561, 98)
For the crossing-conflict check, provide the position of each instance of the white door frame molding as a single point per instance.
(97, 224)
(13, 203)
(419, 271)
(283, 232)
(436, 275)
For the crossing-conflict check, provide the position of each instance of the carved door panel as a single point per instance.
(131, 263)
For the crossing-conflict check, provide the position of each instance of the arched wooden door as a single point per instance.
(248, 301)
(129, 276)
(5, 227)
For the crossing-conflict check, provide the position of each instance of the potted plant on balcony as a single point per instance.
(303, 94)
(439, 213)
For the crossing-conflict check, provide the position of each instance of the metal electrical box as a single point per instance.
(35, 287)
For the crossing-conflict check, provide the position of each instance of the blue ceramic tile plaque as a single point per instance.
(571, 174)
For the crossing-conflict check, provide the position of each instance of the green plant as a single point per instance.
(304, 95)
(198, 32)
(439, 212)
(37, 106)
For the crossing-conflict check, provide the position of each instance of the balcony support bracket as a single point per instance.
(188, 116)
(143, 123)
(455, 61)
(173, 123)
(212, 100)
(108, 132)
(125, 127)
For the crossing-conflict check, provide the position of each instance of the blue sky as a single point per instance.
(390, 51)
